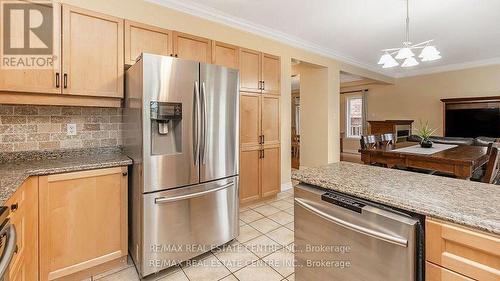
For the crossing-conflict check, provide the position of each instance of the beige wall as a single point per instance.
(419, 97)
(153, 14)
(319, 114)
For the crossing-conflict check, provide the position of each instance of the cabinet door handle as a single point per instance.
(14, 207)
(171, 55)
(263, 139)
(263, 85)
(58, 77)
(124, 174)
(263, 155)
(65, 80)
(176, 55)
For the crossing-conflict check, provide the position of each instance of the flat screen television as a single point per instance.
(473, 122)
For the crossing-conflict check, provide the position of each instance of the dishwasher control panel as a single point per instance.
(344, 202)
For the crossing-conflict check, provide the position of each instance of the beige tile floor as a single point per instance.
(263, 251)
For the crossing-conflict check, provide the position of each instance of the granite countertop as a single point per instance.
(467, 203)
(15, 168)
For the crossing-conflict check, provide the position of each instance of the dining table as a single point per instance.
(457, 160)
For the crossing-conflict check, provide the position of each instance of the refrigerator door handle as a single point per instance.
(160, 200)
(204, 134)
(196, 124)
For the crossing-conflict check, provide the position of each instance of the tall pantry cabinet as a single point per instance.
(260, 171)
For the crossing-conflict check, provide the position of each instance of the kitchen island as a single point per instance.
(450, 227)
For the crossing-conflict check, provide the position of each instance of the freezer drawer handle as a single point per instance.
(161, 200)
(363, 230)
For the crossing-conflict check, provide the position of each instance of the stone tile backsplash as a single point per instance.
(28, 128)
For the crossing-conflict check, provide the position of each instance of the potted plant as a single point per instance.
(425, 132)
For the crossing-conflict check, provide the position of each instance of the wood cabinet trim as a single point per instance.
(243, 71)
(84, 174)
(466, 251)
(177, 34)
(128, 40)
(436, 273)
(51, 99)
(82, 268)
(24, 263)
(276, 91)
(67, 10)
(236, 49)
(33, 85)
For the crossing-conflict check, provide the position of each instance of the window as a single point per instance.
(354, 117)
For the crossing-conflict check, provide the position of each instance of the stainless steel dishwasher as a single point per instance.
(338, 237)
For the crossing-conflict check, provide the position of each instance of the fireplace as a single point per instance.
(472, 117)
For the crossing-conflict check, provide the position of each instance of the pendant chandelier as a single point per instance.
(406, 53)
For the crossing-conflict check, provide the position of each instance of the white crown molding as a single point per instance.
(448, 67)
(215, 15)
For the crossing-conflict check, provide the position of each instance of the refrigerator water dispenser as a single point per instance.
(166, 128)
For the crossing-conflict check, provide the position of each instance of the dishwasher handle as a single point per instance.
(357, 228)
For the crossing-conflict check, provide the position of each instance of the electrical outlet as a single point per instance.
(71, 130)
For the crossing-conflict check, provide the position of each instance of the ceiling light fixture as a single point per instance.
(428, 53)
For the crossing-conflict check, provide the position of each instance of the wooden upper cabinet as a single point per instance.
(92, 53)
(225, 54)
(250, 178)
(192, 47)
(271, 172)
(142, 38)
(250, 124)
(83, 221)
(37, 80)
(250, 71)
(271, 74)
(24, 265)
(470, 253)
(271, 119)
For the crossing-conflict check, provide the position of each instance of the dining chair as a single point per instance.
(387, 139)
(489, 172)
(493, 166)
(369, 141)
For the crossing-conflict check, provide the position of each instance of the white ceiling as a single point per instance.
(348, 77)
(467, 32)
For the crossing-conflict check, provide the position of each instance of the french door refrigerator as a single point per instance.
(181, 128)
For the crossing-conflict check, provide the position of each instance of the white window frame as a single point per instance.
(348, 116)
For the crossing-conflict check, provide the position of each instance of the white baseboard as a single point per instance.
(286, 186)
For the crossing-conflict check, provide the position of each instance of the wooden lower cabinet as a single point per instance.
(83, 222)
(271, 173)
(455, 249)
(437, 273)
(260, 173)
(250, 175)
(24, 217)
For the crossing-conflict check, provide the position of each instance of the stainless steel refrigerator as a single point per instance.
(181, 128)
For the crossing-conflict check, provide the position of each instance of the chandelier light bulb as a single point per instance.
(404, 53)
(409, 62)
